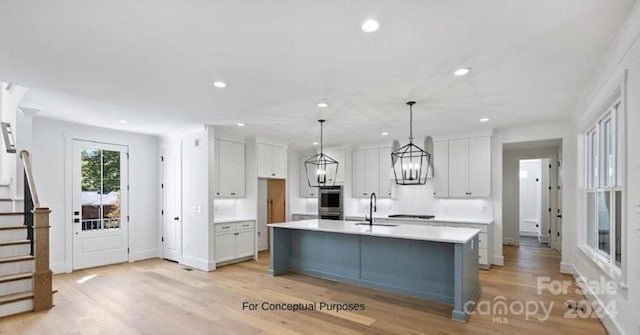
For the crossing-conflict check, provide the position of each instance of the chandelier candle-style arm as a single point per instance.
(321, 169)
(410, 162)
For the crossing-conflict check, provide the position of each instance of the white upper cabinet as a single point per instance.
(386, 172)
(371, 173)
(338, 155)
(459, 168)
(229, 178)
(306, 191)
(441, 169)
(272, 161)
(463, 168)
(480, 167)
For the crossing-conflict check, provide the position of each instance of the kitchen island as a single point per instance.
(434, 263)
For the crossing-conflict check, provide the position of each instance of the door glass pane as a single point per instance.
(607, 152)
(604, 217)
(111, 189)
(90, 198)
(591, 219)
(100, 189)
(618, 232)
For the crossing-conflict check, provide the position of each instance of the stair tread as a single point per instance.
(17, 276)
(13, 227)
(5, 299)
(11, 213)
(16, 259)
(16, 242)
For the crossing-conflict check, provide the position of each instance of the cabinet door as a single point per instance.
(385, 172)
(216, 174)
(480, 167)
(459, 168)
(226, 168)
(338, 155)
(305, 190)
(265, 164)
(441, 169)
(238, 177)
(225, 246)
(373, 171)
(244, 243)
(279, 162)
(360, 174)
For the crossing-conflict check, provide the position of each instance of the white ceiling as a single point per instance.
(153, 62)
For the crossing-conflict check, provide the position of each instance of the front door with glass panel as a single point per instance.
(100, 207)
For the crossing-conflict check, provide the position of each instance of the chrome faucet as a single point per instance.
(373, 207)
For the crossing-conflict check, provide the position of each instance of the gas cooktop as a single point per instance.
(411, 216)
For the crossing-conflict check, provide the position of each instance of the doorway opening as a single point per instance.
(271, 208)
(532, 194)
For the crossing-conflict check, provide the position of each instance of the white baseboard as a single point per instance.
(568, 268)
(58, 268)
(609, 322)
(144, 254)
(198, 263)
(509, 241)
(529, 233)
(497, 260)
(543, 238)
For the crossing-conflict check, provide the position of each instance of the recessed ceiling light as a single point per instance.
(240, 124)
(463, 71)
(123, 121)
(370, 25)
(484, 119)
(323, 104)
(384, 133)
(219, 84)
(315, 143)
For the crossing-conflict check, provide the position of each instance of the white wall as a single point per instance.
(197, 223)
(623, 55)
(51, 161)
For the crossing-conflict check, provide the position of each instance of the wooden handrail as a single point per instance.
(28, 172)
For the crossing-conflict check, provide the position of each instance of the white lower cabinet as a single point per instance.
(302, 217)
(234, 241)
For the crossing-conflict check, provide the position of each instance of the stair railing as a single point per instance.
(37, 221)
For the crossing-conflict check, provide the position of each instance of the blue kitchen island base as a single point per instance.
(440, 271)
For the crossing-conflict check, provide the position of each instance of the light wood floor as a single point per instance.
(159, 297)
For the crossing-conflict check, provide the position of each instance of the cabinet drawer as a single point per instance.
(225, 227)
(248, 225)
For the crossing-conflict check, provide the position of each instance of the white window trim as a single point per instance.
(606, 263)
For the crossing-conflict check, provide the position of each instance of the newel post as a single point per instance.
(42, 278)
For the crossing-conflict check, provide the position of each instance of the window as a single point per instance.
(604, 186)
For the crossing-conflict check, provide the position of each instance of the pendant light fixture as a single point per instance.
(321, 169)
(410, 162)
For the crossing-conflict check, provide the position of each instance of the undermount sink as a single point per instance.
(376, 224)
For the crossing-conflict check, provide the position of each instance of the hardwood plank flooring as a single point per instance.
(160, 297)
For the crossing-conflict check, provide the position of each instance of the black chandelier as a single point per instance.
(410, 162)
(321, 169)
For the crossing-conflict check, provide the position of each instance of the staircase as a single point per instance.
(25, 277)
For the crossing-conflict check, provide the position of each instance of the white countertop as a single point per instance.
(406, 231)
(229, 220)
(436, 219)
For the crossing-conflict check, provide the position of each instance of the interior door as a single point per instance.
(100, 204)
(276, 211)
(171, 204)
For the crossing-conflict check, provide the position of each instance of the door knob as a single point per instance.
(176, 218)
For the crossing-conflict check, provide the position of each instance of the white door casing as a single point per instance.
(99, 204)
